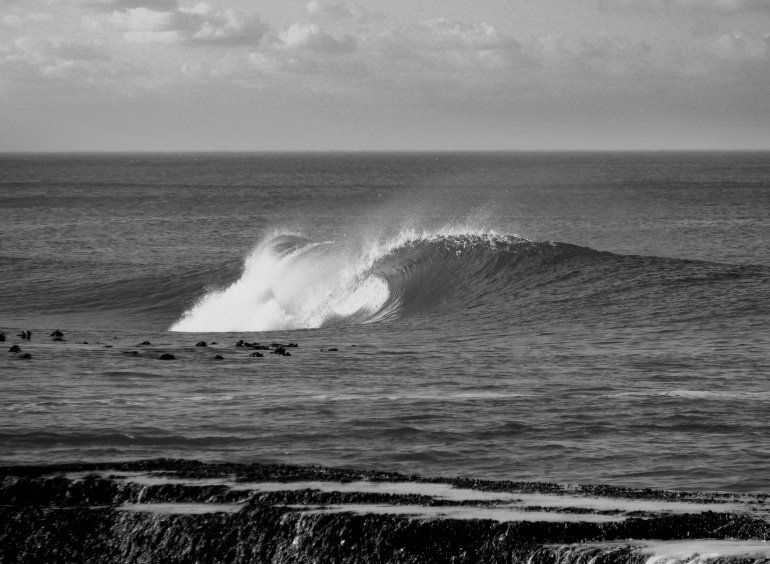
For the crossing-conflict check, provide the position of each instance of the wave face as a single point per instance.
(292, 282)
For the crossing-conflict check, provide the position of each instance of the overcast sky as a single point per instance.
(384, 74)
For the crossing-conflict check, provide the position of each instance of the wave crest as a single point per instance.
(291, 282)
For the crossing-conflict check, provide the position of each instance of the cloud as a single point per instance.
(120, 5)
(442, 33)
(208, 25)
(310, 37)
(34, 48)
(269, 64)
(201, 24)
(450, 43)
(143, 25)
(20, 20)
(55, 58)
(703, 6)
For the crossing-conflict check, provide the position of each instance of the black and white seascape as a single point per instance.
(348, 281)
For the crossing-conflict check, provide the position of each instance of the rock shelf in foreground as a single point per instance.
(186, 511)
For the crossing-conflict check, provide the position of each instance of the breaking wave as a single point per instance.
(291, 282)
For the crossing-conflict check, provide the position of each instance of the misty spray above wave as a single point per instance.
(291, 282)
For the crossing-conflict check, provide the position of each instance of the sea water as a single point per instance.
(569, 317)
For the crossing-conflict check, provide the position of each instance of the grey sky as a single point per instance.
(296, 75)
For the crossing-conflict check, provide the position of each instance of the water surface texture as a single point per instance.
(579, 318)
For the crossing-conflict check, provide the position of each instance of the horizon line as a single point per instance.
(366, 151)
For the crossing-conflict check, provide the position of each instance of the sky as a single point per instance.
(276, 75)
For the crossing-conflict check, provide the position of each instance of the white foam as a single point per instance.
(509, 501)
(500, 514)
(149, 478)
(181, 508)
(299, 289)
(697, 551)
(662, 552)
(450, 493)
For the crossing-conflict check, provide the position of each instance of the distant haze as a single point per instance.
(168, 75)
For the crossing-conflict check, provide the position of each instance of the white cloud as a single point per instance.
(56, 58)
(142, 25)
(199, 24)
(225, 27)
(310, 37)
(145, 20)
(442, 33)
(268, 64)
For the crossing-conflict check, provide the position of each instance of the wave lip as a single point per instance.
(290, 282)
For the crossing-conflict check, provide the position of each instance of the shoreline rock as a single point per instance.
(78, 512)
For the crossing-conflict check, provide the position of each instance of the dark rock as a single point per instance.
(15, 349)
(57, 333)
(292, 345)
(214, 343)
(256, 346)
(24, 355)
(143, 343)
(201, 344)
(257, 355)
(58, 519)
(2, 337)
(59, 339)
(218, 357)
(330, 350)
(166, 356)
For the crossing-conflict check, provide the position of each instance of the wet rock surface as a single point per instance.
(76, 513)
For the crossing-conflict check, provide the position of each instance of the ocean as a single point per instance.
(580, 318)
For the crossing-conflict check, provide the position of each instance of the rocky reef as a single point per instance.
(186, 511)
